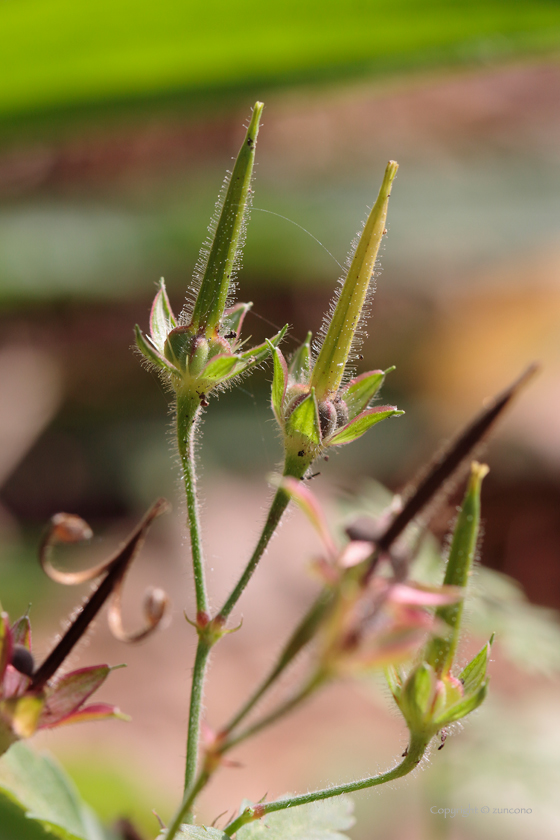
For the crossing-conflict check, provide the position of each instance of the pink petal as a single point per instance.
(421, 596)
(69, 692)
(354, 553)
(96, 711)
(14, 683)
(310, 506)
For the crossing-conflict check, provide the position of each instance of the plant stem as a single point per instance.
(195, 710)
(413, 757)
(305, 691)
(186, 805)
(187, 410)
(194, 788)
(277, 508)
(301, 636)
(186, 428)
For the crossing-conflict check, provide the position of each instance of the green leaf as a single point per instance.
(304, 420)
(279, 382)
(197, 832)
(362, 390)
(40, 787)
(474, 674)
(225, 251)
(316, 821)
(360, 424)
(162, 319)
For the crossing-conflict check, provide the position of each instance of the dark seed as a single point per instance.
(22, 660)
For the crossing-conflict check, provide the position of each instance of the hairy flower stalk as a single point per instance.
(197, 354)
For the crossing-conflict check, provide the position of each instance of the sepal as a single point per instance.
(395, 681)
(360, 391)
(232, 322)
(300, 362)
(303, 422)
(360, 424)
(219, 368)
(462, 708)
(474, 674)
(279, 383)
(151, 354)
(258, 354)
(70, 692)
(417, 697)
(162, 319)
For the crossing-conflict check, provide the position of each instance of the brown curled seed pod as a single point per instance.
(113, 571)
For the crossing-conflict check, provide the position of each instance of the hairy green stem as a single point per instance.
(411, 760)
(301, 636)
(186, 805)
(195, 710)
(277, 508)
(184, 814)
(315, 682)
(187, 411)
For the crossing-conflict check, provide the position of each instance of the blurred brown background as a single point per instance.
(96, 205)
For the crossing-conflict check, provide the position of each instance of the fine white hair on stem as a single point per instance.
(204, 254)
(360, 333)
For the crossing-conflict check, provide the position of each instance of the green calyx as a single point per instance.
(310, 426)
(430, 697)
(429, 704)
(192, 363)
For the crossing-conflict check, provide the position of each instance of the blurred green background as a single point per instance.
(117, 123)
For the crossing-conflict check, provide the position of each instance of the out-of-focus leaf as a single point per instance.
(133, 50)
(37, 785)
(197, 832)
(316, 821)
